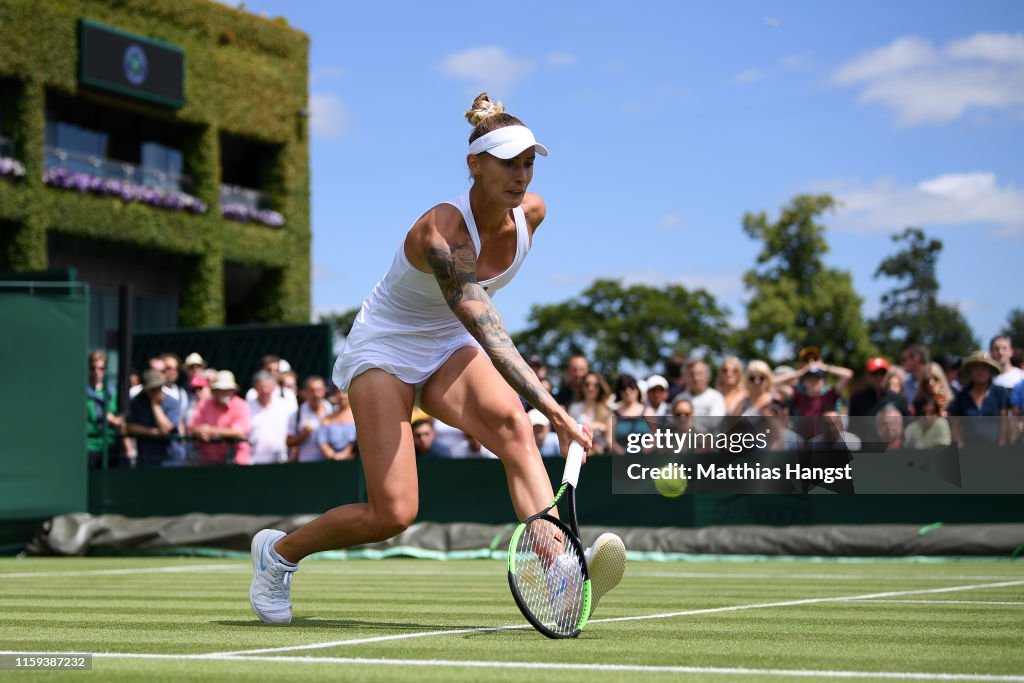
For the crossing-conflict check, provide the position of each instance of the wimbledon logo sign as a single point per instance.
(135, 65)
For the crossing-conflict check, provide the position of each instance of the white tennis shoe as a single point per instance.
(270, 592)
(606, 560)
(562, 589)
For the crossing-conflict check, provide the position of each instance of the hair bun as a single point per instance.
(482, 108)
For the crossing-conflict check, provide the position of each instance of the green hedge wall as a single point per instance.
(244, 75)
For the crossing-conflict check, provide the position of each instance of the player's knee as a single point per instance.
(516, 425)
(391, 520)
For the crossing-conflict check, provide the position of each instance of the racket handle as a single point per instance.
(573, 461)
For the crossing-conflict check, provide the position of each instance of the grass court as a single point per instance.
(180, 619)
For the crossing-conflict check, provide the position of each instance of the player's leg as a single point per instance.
(381, 406)
(467, 392)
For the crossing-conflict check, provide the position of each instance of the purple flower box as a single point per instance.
(85, 183)
(243, 214)
(11, 168)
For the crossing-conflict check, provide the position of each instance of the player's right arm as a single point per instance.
(439, 243)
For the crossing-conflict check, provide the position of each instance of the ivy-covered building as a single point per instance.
(162, 144)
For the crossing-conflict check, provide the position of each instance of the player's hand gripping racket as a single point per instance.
(546, 569)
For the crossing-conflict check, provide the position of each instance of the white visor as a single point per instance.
(507, 142)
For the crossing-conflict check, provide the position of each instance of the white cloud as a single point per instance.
(328, 117)
(326, 73)
(993, 47)
(561, 60)
(671, 222)
(749, 76)
(967, 305)
(951, 199)
(798, 61)
(923, 83)
(488, 67)
(771, 21)
(323, 272)
(721, 285)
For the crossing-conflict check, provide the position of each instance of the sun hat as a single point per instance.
(981, 358)
(152, 379)
(809, 351)
(225, 381)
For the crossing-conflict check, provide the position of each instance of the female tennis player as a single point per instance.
(429, 333)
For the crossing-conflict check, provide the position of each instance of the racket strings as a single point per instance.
(549, 576)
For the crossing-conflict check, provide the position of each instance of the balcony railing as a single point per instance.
(111, 169)
(254, 200)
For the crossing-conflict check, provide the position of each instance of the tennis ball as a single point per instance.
(671, 484)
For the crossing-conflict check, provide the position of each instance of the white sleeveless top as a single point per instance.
(405, 326)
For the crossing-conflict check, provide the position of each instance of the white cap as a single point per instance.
(507, 142)
(283, 366)
(537, 418)
(194, 359)
(656, 381)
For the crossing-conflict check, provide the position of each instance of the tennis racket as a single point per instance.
(547, 571)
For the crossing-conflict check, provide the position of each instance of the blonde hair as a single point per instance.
(758, 367)
(895, 373)
(730, 360)
(485, 116)
(481, 108)
(604, 392)
(934, 370)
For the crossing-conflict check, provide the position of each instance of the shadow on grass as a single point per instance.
(313, 622)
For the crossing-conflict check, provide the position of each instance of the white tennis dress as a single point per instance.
(405, 326)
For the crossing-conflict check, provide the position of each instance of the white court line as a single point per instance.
(559, 666)
(664, 615)
(951, 602)
(119, 572)
(638, 572)
(824, 577)
(813, 601)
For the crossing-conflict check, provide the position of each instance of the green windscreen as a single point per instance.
(43, 466)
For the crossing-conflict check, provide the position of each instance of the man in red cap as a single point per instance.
(866, 403)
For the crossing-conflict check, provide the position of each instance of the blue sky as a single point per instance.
(666, 121)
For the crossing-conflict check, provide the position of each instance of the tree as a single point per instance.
(911, 312)
(796, 300)
(610, 323)
(1014, 327)
(342, 324)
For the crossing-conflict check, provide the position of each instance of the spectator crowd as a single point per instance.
(185, 413)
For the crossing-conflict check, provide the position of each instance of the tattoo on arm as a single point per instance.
(455, 271)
